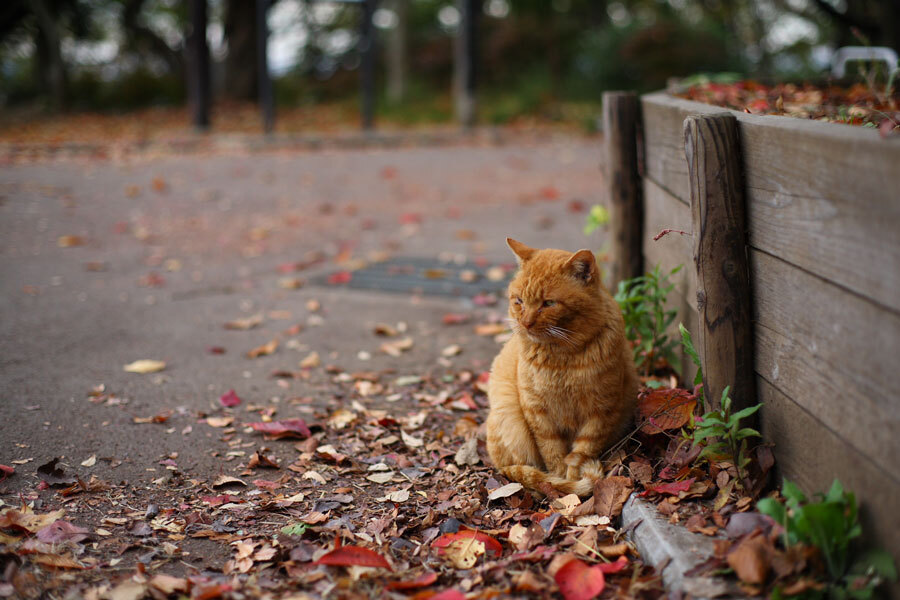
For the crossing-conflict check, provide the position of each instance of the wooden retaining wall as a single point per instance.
(823, 218)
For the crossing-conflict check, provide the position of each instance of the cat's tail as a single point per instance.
(533, 478)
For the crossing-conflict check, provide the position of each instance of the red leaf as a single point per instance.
(284, 428)
(455, 319)
(577, 581)
(62, 531)
(423, 580)
(549, 193)
(451, 594)
(672, 489)
(410, 218)
(7, 471)
(266, 484)
(614, 567)
(229, 399)
(665, 409)
(340, 277)
(490, 544)
(219, 500)
(353, 555)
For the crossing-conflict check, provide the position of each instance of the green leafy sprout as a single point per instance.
(597, 218)
(724, 436)
(830, 523)
(643, 304)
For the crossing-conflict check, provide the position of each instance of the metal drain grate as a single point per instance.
(424, 276)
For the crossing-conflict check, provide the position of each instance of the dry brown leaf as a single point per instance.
(312, 360)
(463, 553)
(750, 560)
(245, 323)
(396, 348)
(610, 495)
(264, 350)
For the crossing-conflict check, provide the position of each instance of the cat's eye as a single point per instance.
(518, 301)
(549, 303)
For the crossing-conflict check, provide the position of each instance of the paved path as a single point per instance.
(175, 246)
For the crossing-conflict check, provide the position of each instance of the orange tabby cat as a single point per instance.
(564, 387)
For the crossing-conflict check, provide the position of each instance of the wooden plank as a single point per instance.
(812, 456)
(819, 195)
(664, 211)
(621, 115)
(834, 353)
(725, 343)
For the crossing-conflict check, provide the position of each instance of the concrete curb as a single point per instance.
(659, 541)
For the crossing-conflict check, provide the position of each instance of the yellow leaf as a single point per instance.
(144, 366)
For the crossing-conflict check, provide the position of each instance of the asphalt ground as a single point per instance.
(108, 261)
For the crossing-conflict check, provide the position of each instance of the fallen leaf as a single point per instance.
(468, 453)
(490, 544)
(245, 323)
(489, 329)
(397, 347)
(229, 399)
(664, 408)
(62, 531)
(69, 241)
(145, 366)
(168, 585)
(346, 556)
(58, 561)
(451, 350)
(340, 277)
(750, 560)
(614, 567)
(259, 459)
(7, 471)
(524, 538)
(398, 496)
(219, 421)
(464, 553)
(310, 361)
(28, 521)
(610, 495)
(224, 480)
(382, 477)
(410, 441)
(578, 581)
(54, 475)
(672, 489)
(89, 462)
(505, 491)
(285, 428)
(455, 319)
(421, 581)
(264, 350)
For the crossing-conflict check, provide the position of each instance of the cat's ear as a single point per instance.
(521, 251)
(583, 266)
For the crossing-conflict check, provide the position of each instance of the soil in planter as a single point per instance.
(859, 104)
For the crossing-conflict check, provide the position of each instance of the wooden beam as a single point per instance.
(198, 65)
(720, 255)
(621, 119)
(266, 94)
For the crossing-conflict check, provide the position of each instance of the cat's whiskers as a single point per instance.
(562, 334)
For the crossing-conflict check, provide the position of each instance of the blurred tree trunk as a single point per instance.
(51, 68)
(397, 54)
(240, 64)
(146, 41)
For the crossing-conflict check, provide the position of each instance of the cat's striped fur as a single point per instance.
(564, 387)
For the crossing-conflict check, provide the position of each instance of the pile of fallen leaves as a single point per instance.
(859, 104)
(383, 490)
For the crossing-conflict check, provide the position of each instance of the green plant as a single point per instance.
(643, 304)
(724, 435)
(598, 217)
(688, 343)
(830, 524)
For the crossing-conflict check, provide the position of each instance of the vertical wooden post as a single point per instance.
(198, 65)
(465, 61)
(621, 118)
(367, 64)
(720, 255)
(266, 94)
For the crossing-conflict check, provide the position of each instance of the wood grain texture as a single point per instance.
(811, 455)
(819, 195)
(621, 113)
(725, 342)
(664, 211)
(834, 353)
